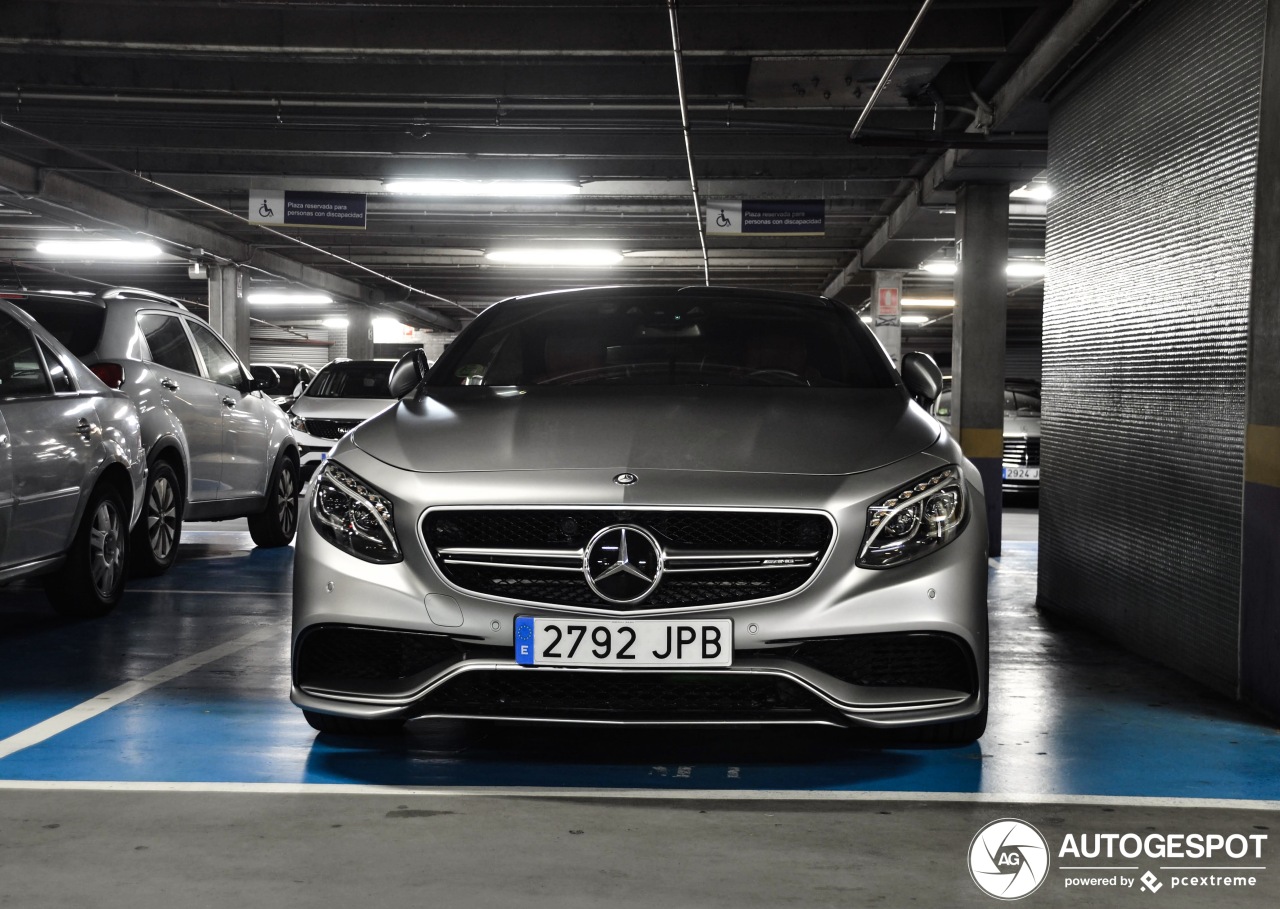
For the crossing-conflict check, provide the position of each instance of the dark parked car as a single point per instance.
(1021, 468)
(290, 380)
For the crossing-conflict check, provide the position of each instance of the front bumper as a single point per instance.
(467, 668)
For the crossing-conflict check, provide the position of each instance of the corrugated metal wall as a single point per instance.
(1153, 153)
(314, 347)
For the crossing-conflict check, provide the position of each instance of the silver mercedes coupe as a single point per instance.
(663, 505)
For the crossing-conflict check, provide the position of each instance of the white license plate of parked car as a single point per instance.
(1022, 473)
(623, 643)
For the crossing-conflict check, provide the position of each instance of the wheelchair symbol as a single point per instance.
(722, 220)
(264, 210)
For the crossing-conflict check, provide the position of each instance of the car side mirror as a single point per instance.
(922, 377)
(408, 373)
(264, 379)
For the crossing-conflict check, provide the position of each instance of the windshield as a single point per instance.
(665, 339)
(352, 380)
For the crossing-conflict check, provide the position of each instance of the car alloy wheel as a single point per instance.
(162, 518)
(287, 502)
(106, 548)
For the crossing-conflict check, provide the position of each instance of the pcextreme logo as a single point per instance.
(1009, 859)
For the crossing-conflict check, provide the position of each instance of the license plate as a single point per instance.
(1022, 473)
(623, 643)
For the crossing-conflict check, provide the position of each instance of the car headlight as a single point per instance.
(297, 423)
(921, 516)
(354, 516)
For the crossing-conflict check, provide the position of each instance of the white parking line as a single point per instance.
(735, 795)
(33, 735)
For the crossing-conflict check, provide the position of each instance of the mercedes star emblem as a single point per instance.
(625, 479)
(623, 563)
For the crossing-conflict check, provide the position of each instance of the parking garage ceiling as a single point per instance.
(159, 118)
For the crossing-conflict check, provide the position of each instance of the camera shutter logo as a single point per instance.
(1008, 859)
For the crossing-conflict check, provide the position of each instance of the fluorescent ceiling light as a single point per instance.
(385, 322)
(923, 301)
(1018, 268)
(285, 298)
(335, 323)
(100, 249)
(1025, 269)
(581, 257)
(1040, 192)
(915, 319)
(482, 188)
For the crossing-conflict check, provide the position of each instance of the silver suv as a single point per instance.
(217, 447)
(71, 471)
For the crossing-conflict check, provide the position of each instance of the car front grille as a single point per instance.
(712, 557)
(913, 660)
(578, 694)
(1022, 451)
(331, 429)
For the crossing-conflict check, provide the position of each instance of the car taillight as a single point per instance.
(111, 374)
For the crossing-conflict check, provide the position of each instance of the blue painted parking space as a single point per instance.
(1071, 715)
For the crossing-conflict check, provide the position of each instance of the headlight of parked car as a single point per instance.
(297, 423)
(914, 520)
(354, 516)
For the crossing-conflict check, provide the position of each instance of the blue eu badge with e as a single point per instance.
(524, 640)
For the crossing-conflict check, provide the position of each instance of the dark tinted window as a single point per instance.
(352, 380)
(168, 343)
(695, 339)
(57, 372)
(21, 373)
(221, 363)
(76, 323)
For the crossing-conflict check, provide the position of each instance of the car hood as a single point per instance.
(760, 430)
(339, 408)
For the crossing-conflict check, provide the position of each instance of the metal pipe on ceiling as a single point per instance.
(688, 141)
(888, 70)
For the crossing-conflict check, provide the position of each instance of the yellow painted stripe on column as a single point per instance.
(982, 443)
(1262, 454)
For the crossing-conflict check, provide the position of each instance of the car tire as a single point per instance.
(345, 725)
(277, 524)
(91, 581)
(155, 539)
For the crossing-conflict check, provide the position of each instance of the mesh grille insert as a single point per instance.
(343, 658)
(635, 695)
(890, 660)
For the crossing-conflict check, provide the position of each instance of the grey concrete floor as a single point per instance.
(157, 850)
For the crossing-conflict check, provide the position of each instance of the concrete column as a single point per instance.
(978, 337)
(886, 312)
(228, 309)
(1260, 549)
(359, 332)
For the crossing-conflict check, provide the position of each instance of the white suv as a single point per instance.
(217, 447)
